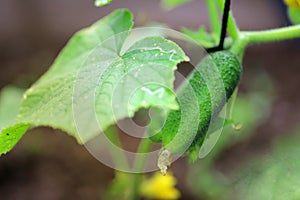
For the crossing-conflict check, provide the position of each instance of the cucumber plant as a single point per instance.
(50, 100)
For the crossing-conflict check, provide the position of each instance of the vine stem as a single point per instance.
(119, 159)
(250, 37)
(278, 34)
(144, 147)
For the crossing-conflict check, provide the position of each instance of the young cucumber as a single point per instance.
(201, 99)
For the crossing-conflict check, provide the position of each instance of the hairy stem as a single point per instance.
(250, 37)
(278, 34)
(239, 45)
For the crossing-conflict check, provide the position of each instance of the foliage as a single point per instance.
(10, 101)
(293, 10)
(171, 4)
(102, 2)
(274, 175)
(49, 101)
(97, 71)
(294, 15)
(202, 37)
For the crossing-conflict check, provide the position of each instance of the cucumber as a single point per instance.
(201, 98)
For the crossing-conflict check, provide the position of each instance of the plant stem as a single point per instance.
(213, 16)
(232, 27)
(119, 158)
(239, 45)
(278, 34)
(144, 147)
(249, 37)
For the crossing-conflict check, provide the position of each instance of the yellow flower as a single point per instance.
(160, 187)
(293, 3)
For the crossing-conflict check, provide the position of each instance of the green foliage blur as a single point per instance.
(270, 174)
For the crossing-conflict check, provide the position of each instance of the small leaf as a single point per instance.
(171, 4)
(10, 136)
(294, 15)
(100, 3)
(201, 37)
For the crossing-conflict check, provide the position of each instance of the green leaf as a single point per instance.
(171, 4)
(100, 3)
(49, 101)
(201, 37)
(100, 77)
(11, 135)
(294, 15)
(10, 101)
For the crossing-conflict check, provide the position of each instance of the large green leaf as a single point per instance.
(97, 78)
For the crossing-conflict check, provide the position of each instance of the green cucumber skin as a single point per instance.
(230, 72)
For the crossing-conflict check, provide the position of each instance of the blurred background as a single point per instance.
(252, 163)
